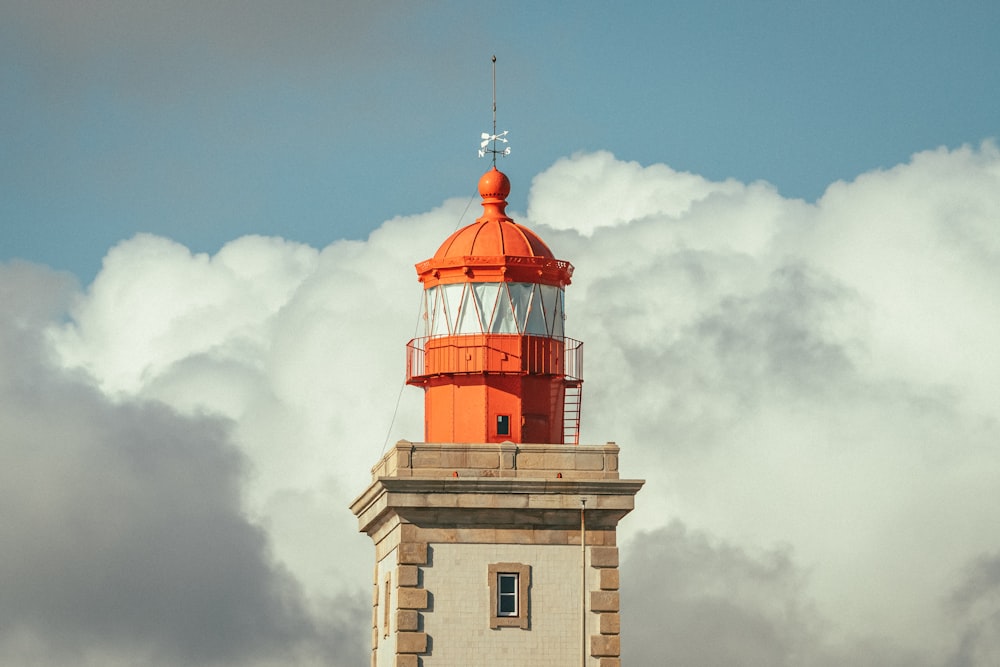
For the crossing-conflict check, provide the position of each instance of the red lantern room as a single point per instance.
(493, 361)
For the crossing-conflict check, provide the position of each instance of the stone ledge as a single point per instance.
(408, 459)
(510, 535)
(498, 502)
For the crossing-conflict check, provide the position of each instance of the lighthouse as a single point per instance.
(495, 536)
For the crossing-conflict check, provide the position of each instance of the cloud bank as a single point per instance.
(809, 390)
(125, 538)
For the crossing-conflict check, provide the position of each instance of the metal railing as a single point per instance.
(493, 353)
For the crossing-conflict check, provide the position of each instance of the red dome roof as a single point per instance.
(494, 238)
(495, 246)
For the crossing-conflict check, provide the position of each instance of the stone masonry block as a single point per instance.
(611, 624)
(416, 642)
(402, 458)
(467, 500)
(407, 661)
(454, 459)
(471, 535)
(515, 536)
(609, 579)
(560, 460)
(604, 557)
(426, 459)
(415, 553)
(490, 460)
(609, 538)
(415, 598)
(590, 461)
(530, 461)
(540, 501)
(432, 535)
(552, 537)
(408, 620)
(409, 575)
(605, 646)
(601, 538)
(604, 601)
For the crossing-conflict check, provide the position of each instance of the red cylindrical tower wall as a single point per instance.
(482, 408)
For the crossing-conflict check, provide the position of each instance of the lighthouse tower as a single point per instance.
(495, 537)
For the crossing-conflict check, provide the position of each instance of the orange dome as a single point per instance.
(495, 246)
(494, 238)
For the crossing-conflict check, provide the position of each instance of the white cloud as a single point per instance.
(811, 384)
(593, 190)
(125, 539)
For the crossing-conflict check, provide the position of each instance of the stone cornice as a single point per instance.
(436, 501)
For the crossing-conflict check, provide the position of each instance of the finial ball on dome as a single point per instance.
(494, 184)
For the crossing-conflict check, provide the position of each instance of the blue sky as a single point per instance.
(317, 121)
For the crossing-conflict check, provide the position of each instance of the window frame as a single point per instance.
(503, 420)
(522, 604)
(510, 596)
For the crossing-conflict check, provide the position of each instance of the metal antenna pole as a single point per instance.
(494, 107)
(489, 142)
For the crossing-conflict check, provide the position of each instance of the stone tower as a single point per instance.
(495, 538)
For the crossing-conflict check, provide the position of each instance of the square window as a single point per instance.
(503, 424)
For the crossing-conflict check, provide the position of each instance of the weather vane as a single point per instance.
(494, 138)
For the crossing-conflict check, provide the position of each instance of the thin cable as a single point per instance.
(399, 396)
(416, 328)
(468, 204)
